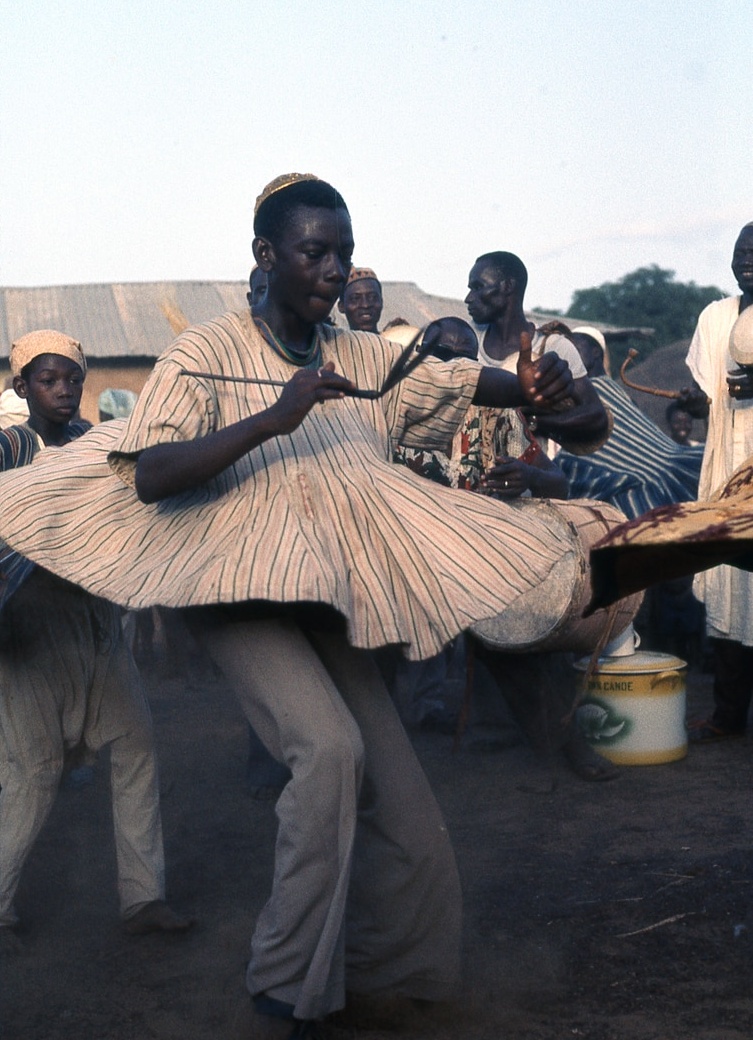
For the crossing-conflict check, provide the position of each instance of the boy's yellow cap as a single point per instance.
(44, 341)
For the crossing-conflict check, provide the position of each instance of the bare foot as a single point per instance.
(156, 917)
(585, 762)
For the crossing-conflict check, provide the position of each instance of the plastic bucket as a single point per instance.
(633, 708)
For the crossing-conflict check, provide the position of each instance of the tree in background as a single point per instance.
(647, 298)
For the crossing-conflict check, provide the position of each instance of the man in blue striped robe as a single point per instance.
(639, 467)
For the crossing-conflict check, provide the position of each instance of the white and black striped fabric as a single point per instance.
(639, 467)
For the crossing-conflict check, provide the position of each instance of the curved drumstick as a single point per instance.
(675, 395)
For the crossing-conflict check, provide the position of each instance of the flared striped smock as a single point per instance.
(318, 516)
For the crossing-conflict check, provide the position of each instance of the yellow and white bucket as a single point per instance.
(633, 708)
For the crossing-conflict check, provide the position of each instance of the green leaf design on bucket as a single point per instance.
(600, 723)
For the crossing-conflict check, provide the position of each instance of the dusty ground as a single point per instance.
(617, 911)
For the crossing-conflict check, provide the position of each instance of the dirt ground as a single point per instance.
(607, 911)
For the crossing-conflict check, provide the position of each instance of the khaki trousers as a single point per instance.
(66, 678)
(365, 892)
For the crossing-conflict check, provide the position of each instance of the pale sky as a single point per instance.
(589, 137)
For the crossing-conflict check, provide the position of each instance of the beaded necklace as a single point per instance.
(309, 357)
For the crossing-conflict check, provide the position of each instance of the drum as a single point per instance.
(550, 618)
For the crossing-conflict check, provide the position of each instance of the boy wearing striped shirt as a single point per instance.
(67, 678)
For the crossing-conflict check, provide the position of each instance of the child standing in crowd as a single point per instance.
(67, 678)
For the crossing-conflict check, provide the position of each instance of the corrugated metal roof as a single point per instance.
(119, 320)
(131, 319)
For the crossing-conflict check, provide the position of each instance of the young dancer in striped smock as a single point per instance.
(249, 477)
(67, 678)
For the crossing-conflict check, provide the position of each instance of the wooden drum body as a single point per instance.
(550, 618)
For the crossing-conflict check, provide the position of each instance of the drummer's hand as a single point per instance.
(546, 382)
(740, 384)
(309, 386)
(509, 478)
(694, 401)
